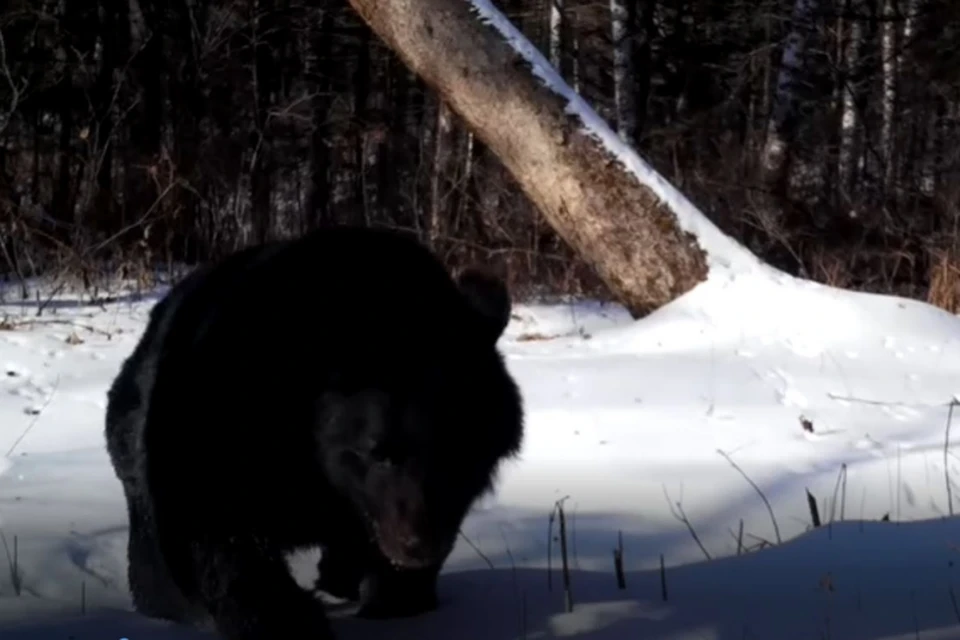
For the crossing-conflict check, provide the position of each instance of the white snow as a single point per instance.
(637, 424)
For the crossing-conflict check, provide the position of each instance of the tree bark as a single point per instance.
(265, 89)
(782, 126)
(319, 192)
(890, 70)
(624, 82)
(849, 119)
(361, 84)
(606, 214)
(556, 32)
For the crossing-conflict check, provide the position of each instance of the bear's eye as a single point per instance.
(387, 450)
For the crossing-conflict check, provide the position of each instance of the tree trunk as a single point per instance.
(396, 150)
(612, 219)
(849, 120)
(361, 84)
(319, 191)
(889, 69)
(265, 88)
(441, 164)
(147, 29)
(642, 54)
(556, 32)
(783, 119)
(624, 82)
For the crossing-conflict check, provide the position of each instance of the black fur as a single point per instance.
(339, 390)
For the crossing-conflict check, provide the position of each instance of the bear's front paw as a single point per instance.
(395, 595)
(340, 574)
(339, 586)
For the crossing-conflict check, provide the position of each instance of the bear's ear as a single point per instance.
(488, 295)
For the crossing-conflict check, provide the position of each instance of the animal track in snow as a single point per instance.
(14, 370)
(30, 388)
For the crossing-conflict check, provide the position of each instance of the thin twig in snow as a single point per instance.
(842, 476)
(663, 579)
(884, 403)
(13, 561)
(773, 518)
(550, 549)
(567, 587)
(814, 512)
(573, 526)
(899, 484)
(682, 517)
(618, 562)
(513, 564)
(739, 538)
(946, 462)
(475, 548)
(25, 322)
(36, 418)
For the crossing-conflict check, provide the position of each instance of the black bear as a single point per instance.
(338, 390)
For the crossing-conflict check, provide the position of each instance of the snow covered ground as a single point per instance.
(664, 431)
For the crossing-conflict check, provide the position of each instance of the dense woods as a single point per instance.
(823, 134)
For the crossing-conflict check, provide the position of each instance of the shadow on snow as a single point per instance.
(852, 580)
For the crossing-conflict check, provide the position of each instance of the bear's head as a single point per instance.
(417, 434)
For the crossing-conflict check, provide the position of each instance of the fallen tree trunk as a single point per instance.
(604, 211)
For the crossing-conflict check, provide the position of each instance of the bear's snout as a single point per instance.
(402, 523)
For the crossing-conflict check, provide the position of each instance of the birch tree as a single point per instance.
(849, 118)
(623, 77)
(15, 86)
(889, 71)
(786, 103)
(556, 32)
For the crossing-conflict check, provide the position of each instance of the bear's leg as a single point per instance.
(154, 594)
(341, 572)
(390, 592)
(250, 594)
